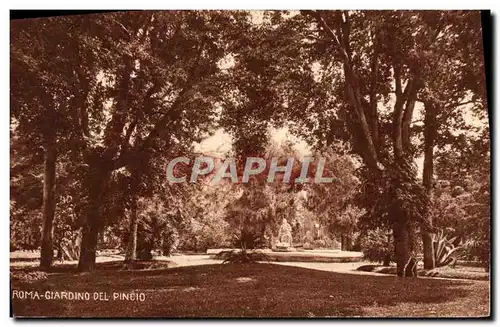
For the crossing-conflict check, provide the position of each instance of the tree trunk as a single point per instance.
(430, 131)
(388, 255)
(387, 260)
(348, 242)
(98, 179)
(49, 206)
(130, 253)
(400, 216)
(402, 233)
(428, 245)
(89, 247)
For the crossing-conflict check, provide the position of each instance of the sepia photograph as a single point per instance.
(250, 164)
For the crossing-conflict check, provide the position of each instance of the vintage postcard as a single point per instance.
(239, 163)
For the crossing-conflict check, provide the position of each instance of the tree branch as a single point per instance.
(171, 115)
(149, 93)
(397, 79)
(397, 120)
(352, 88)
(81, 98)
(373, 93)
(407, 115)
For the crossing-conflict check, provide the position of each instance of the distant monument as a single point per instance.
(284, 236)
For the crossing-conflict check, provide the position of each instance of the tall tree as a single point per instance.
(43, 99)
(454, 89)
(376, 49)
(366, 71)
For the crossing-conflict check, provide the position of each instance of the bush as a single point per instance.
(248, 240)
(377, 246)
(478, 250)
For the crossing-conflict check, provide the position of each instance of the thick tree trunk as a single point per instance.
(49, 207)
(430, 131)
(402, 233)
(88, 250)
(428, 245)
(400, 215)
(98, 179)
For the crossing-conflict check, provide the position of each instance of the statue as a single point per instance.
(285, 234)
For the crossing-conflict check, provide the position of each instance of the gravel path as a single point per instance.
(344, 267)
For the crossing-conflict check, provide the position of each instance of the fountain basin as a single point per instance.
(319, 255)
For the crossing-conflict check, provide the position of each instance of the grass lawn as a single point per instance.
(252, 290)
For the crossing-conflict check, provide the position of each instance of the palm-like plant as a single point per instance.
(444, 250)
(248, 242)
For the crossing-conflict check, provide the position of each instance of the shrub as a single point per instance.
(478, 249)
(377, 246)
(248, 240)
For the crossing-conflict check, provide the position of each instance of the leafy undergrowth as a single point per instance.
(459, 272)
(253, 290)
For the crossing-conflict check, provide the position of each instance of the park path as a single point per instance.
(338, 267)
(183, 260)
(341, 267)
